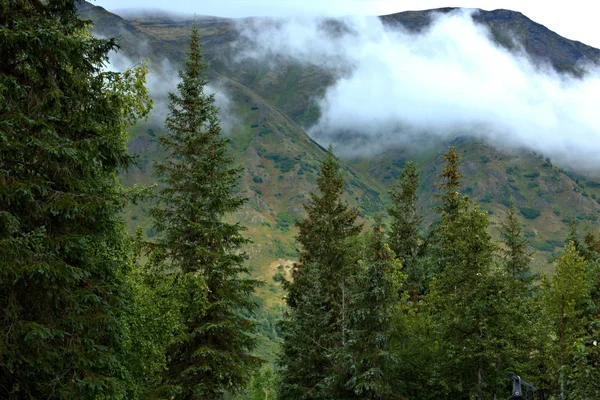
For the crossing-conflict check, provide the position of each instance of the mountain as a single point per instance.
(271, 106)
(510, 28)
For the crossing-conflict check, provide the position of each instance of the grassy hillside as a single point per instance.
(272, 104)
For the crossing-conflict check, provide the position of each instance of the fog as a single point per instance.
(162, 78)
(397, 88)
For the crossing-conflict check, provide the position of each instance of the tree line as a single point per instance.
(398, 312)
(403, 313)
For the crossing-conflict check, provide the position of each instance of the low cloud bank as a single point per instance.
(398, 88)
(163, 78)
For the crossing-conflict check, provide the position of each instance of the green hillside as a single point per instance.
(273, 103)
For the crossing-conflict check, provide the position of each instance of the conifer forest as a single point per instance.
(420, 285)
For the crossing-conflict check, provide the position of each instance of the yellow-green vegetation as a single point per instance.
(272, 107)
(438, 301)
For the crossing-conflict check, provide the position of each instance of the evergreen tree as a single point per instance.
(315, 331)
(213, 353)
(64, 252)
(529, 333)
(405, 237)
(450, 184)
(435, 259)
(515, 254)
(471, 306)
(566, 298)
(573, 237)
(377, 295)
(586, 368)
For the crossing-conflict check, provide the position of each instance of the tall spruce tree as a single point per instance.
(516, 254)
(528, 334)
(587, 358)
(213, 353)
(377, 295)
(315, 331)
(405, 239)
(449, 184)
(566, 299)
(449, 196)
(470, 305)
(63, 138)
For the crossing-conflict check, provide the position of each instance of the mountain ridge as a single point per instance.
(273, 105)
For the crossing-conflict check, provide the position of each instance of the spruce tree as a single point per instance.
(573, 237)
(315, 331)
(213, 353)
(528, 334)
(470, 304)
(516, 254)
(405, 238)
(64, 252)
(449, 184)
(566, 299)
(449, 196)
(377, 296)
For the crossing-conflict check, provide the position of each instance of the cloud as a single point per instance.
(162, 78)
(393, 87)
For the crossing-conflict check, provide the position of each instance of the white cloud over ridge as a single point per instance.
(163, 78)
(395, 87)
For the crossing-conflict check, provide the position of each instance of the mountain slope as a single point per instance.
(509, 28)
(273, 101)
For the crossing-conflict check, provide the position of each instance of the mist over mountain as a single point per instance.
(420, 76)
(515, 98)
(394, 85)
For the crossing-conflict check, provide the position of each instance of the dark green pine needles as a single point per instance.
(62, 243)
(316, 329)
(213, 353)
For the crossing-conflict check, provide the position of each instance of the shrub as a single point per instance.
(532, 175)
(530, 213)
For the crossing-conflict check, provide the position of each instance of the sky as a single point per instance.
(573, 19)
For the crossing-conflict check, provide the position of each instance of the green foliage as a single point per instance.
(377, 291)
(316, 328)
(63, 285)
(284, 221)
(405, 237)
(370, 202)
(152, 319)
(565, 300)
(450, 183)
(211, 354)
(281, 250)
(263, 386)
(530, 213)
(284, 164)
(487, 198)
(532, 175)
(516, 254)
(471, 307)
